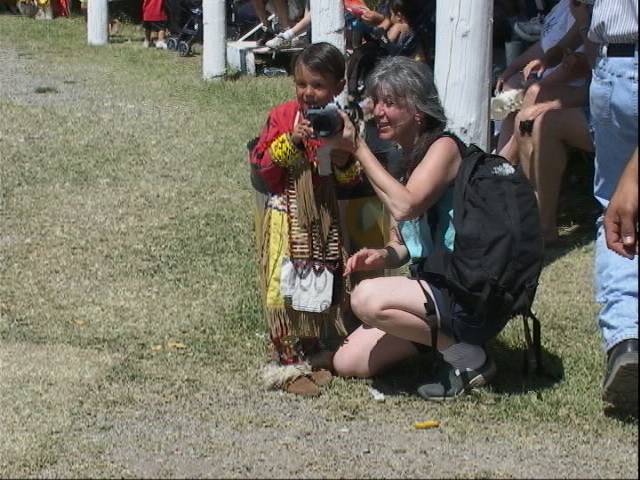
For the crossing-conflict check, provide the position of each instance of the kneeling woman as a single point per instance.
(396, 324)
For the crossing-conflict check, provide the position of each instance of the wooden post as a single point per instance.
(97, 22)
(327, 22)
(214, 35)
(464, 30)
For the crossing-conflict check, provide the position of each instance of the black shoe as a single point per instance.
(449, 383)
(621, 382)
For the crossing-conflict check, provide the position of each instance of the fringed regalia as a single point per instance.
(299, 239)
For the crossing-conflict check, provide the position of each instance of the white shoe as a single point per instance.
(531, 29)
(146, 44)
(277, 43)
(506, 102)
(161, 44)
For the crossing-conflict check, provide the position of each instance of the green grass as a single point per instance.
(127, 220)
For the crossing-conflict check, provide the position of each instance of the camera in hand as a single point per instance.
(325, 121)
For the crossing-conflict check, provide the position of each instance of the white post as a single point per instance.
(327, 22)
(97, 22)
(463, 66)
(214, 34)
(327, 25)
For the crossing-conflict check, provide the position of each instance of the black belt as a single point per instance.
(621, 49)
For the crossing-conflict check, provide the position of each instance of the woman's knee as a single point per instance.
(365, 301)
(349, 363)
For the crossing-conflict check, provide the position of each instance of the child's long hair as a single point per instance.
(411, 83)
(322, 58)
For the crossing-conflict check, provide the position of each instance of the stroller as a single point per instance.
(185, 24)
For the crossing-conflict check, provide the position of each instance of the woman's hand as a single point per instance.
(346, 140)
(552, 57)
(536, 66)
(301, 133)
(366, 259)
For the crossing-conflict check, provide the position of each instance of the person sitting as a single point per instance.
(281, 8)
(293, 35)
(558, 119)
(396, 324)
(552, 112)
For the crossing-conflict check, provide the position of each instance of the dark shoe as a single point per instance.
(621, 382)
(449, 383)
(264, 35)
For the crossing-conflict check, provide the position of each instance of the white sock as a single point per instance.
(464, 355)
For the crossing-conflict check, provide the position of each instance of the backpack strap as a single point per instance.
(431, 315)
(533, 352)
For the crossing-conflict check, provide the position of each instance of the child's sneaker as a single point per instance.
(449, 383)
(161, 44)
(146, 44)
(531, 29)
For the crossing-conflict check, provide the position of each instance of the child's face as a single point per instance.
(314, 89)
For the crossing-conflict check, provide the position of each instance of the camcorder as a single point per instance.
(325, 121)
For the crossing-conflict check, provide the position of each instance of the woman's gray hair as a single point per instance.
(409, 82)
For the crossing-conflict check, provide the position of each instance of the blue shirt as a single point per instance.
(421, 238)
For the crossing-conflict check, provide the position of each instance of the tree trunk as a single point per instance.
(463, 66)
(97, 22)
(214, 39)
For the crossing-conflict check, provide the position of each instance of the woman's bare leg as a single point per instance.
(544, 157)
(392, 309)
(282, 12)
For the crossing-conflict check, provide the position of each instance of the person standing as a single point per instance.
(154, 19)
(614, 108)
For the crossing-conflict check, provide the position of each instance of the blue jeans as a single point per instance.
(614, 114)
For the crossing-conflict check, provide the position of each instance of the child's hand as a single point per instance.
(366, 259)
(301, 133)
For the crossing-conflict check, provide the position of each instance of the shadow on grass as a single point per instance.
(407, 376)
(629, 416)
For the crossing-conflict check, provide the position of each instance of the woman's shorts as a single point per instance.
(155, 26)
(457, 322)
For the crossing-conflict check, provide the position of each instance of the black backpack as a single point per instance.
(497, 258)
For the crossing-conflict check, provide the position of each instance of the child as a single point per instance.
(299, 234)
(154, 19)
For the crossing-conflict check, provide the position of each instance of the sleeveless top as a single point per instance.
(434, 228)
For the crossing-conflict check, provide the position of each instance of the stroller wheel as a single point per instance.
(183, 48)
(172, 43)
